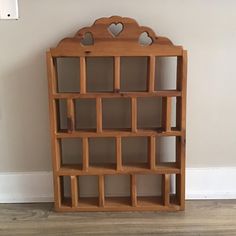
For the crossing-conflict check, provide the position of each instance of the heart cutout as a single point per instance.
(145, 39)
(115, 29)
(87, 39)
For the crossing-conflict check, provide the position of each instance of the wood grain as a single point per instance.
(206, 218)
(125, 43)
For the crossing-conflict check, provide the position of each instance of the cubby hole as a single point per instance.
(68, 74)
(173, 112)
(102, 153)
(116, 114)
(173, 190)
(61, 107)
(87, 190)
(135, 152)
(71, 153)
(166, 151)
(65, 187)
(149, 189)
(117, 190)
(85, 110)
(166, 73)
(133, 74)
(149, 112)
(99, 71)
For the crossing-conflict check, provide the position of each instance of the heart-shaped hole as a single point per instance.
(87, 39)
(145, 39)
(115, 29)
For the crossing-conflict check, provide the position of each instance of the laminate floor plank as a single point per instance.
(216, 217)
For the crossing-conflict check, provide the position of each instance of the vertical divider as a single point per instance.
(101, 191)
(118, 153)
(151, 73)
(152, 152)
(166, 113)
(85, 153)
(134, 114)
(181, 124)
(117, 74)
(70, 115)
(166, 189)
(99, 114)
(74, 191)
(133, 190)
(82, 75)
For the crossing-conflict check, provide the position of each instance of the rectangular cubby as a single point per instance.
(133, 74)
(102, 153)
(99, 71)
(117, 190)
(85, 114)
(166, 71)
(68, 74)
(116, 114)
(71, 152)
(135, 152)
(117, 103)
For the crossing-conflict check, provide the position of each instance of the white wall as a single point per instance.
(206, 29)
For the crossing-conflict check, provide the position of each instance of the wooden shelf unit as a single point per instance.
(124, 43)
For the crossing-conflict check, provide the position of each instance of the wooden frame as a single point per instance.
(124, 43)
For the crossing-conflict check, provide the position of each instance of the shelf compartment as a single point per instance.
(99, 71)
(166, 71)
(116, 114)
(117, 190)
(133, 74)
(68, 74)
(134, 151)
(102, 152)
(85, 112)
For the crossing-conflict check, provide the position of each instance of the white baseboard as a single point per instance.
(201, 183)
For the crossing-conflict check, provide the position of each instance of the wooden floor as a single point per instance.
(199, 218)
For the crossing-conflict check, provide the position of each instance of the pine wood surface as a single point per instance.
(200, 218)
(126, 42)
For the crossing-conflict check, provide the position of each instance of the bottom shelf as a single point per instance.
(119, 204)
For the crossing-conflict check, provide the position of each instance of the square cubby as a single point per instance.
(87, 190)
(102, 153)
(166, 73)
(149, 189)
(149, 112)
(133, 74)
(117, 190)
(99, 71)
(116, 114)
(68, 74)
(166, 150)
(85, 110)
(71, 153)
(135, 152)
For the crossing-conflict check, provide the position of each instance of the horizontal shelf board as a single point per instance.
(164, 93)
(119, 132)
(108, 48)
(137, 168)
(119, 204)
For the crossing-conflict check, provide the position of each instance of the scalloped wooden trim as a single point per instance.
(99, 30)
